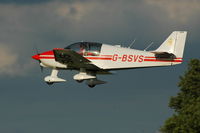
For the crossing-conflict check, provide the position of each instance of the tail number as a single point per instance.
(128, 58)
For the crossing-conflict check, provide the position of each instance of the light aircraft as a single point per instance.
(91, 58)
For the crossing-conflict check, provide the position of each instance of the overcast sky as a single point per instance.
(133, 101)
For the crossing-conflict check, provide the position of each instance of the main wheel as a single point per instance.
(49, 83)
(79, 81)
(91, 86)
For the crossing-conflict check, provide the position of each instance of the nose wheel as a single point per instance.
(53, 78)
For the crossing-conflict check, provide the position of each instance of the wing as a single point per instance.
(73, 60)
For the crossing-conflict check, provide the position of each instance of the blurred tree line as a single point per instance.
(186, 104)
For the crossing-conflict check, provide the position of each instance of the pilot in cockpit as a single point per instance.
(82, 49)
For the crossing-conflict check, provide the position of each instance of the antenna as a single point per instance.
(148, 46)
(132, 43)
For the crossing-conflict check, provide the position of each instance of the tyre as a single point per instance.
(91, 86)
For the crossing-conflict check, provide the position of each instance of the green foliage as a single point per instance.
(186, 104)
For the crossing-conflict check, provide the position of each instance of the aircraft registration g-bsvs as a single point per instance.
(91, 58)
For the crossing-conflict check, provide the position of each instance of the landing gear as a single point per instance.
(49, 83)
(91, 86)
(53, 78)
(93, 82)
(79, 81)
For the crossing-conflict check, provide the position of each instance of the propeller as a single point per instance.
(37, 58)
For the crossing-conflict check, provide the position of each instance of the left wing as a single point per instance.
(73, 60)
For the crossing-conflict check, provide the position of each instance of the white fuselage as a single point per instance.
(115, 57)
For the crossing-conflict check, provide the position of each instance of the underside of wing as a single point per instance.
(73, 60)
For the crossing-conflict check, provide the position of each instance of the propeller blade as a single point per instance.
(36, 49)
(41, 67)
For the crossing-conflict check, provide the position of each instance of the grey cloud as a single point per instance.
(176, 10)
(23, 1)
(10, 62)
(7, 59)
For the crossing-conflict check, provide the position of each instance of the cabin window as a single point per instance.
(86, 48)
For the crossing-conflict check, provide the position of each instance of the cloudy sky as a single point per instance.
(133, 101)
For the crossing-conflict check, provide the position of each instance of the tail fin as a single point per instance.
(174, 44)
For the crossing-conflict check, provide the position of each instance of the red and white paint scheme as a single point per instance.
(90, 58)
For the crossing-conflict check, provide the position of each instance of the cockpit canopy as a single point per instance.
(86, 48)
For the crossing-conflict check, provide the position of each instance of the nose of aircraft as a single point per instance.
(44, 55)
(36, 57)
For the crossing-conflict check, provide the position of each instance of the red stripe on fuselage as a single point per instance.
(106, 55)
(47, 53)
(47, 57)
(98, 58)
(153, 57)
(154, 60)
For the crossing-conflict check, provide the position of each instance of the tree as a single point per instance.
(186, 104)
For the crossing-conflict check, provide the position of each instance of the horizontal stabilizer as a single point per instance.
(164, 55)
